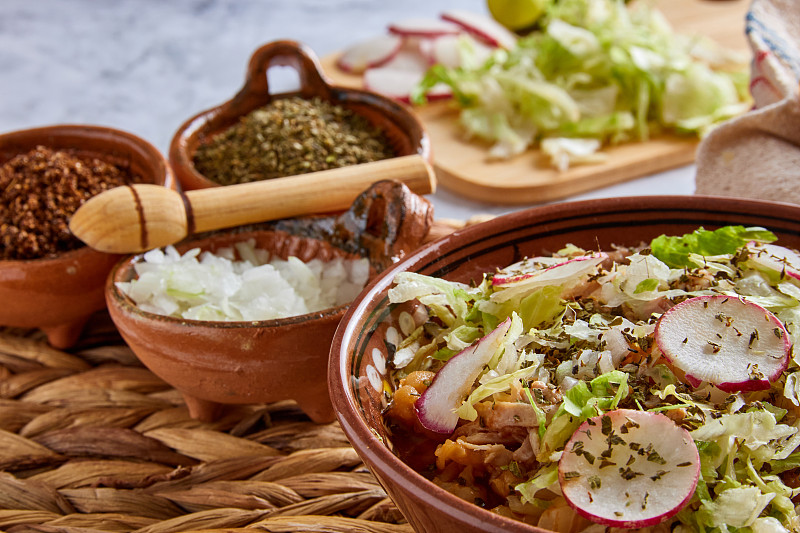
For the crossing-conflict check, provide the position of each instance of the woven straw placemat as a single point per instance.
(92, 441)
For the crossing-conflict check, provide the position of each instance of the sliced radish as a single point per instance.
(439, 92)
(525, 276)
(398, 84)
(398, 78)
(776, 258)
(729, 342)
(427, 47)
(371, 53)
(629, 469)
(437, 405)
(423, 27)
(483, 27)
(445, 51)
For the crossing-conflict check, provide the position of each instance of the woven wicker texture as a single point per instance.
(91, 441)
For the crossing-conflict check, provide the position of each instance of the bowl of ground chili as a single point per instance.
(257, 135)
(48, 278)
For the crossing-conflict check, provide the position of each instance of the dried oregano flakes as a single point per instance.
(290, 136)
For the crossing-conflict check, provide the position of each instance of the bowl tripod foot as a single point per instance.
(65, 336)
(318, 408)
(203, 410)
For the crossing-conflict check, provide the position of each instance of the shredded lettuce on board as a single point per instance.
(597, 73)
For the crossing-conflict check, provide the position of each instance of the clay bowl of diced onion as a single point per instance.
(229, 144)
(566, 368)
(246, 315)
(48, 278)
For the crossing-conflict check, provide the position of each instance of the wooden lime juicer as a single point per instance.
(141, 217)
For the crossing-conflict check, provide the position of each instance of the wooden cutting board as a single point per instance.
(462, 167)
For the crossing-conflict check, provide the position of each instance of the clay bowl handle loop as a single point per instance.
(281, 53)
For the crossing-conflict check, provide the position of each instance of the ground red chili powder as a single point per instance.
(40, 190)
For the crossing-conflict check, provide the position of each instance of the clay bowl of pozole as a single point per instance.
(566, 368)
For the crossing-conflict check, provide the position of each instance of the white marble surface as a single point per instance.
(147, 65)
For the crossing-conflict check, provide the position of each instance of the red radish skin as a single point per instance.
(371, 53)
(693, 381)
(515, 280)
(776, 258)
(629, 469)
(398, 78)
(395, 80)
(427, 48)
(451, 384)
(482, 27)
(422, 27)
(730, 342)
(517, 272)
(445, 51)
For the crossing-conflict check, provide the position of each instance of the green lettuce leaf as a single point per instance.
(541, 480)
(675, 250)
(581, 402)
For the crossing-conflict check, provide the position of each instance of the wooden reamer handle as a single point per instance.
(140, 217)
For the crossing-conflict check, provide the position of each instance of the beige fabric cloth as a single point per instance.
(757, 155)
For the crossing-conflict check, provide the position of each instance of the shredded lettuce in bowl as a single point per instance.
(588, 348)
(598, 72)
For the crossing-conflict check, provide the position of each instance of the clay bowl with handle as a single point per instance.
(402, 128)
(362, 350)
(59, 293)
(217, 363)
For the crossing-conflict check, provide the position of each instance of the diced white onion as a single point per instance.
(218, 286)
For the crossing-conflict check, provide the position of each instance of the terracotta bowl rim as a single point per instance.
(391, 468)
(78, 126)
(179, 156)
(76, 253)
(116, 133)
(423, 146)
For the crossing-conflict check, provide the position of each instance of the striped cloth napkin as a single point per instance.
(757, 155)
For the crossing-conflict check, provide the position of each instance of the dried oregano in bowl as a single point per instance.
(290, 136)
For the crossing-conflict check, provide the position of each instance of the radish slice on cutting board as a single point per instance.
(524, 276)
(371, 53)
(729, 342)
(776, 258)
(386, 61)
(483, 27)
(629, 469)
(398, 77)
(436, 408)
(422, 27)
(447, 50)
